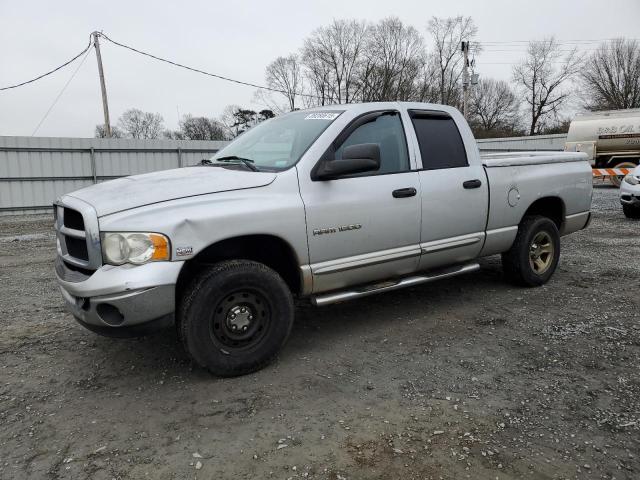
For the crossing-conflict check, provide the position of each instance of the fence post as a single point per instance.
(179, 157)
(93, 165)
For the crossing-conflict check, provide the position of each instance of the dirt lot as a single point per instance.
(466, 378)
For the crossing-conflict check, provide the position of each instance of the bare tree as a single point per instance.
(427, 84)
(201, 128)
(319, 88)
(228, 121)
(138, 124)
(332, 56)
(173, 135)
(447, 35)
(393, 60)
(611, 76)
(542, 77)
(494, 108)
(284, 75)
(101, 132)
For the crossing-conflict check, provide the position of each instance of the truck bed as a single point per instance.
(518, 159)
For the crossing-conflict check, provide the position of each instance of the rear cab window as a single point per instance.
(439, 139)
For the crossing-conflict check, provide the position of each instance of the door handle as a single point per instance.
(404, 192)
(472, 184)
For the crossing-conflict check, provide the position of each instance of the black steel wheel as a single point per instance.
(240, 320)
(235, 317)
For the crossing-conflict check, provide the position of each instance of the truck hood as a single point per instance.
(139, 190)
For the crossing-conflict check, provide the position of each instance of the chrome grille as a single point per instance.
(78, 236)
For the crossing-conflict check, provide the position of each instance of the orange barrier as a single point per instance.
(610, 172)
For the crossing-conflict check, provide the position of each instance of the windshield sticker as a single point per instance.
(322, 116)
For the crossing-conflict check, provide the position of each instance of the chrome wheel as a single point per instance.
(541, 253)
(240, 320)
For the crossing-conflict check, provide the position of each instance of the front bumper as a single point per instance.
(120, 298)
(630, 194)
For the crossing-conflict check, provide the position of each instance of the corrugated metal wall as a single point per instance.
(34, 171)
(519, 144)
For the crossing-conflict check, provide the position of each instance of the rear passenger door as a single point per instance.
(454, 193)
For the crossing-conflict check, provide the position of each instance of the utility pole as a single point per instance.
(103, 87)
(465, 79)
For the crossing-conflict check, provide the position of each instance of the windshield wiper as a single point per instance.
(247, 162)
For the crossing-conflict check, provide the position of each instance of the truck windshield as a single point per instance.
(278, 143)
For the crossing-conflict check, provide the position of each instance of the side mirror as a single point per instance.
(364, 157)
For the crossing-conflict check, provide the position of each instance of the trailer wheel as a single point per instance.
(616, 180)
(535, 253)
(235, 317)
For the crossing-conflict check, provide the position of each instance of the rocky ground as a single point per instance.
(466, 378)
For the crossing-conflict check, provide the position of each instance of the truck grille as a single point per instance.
(73, 219)
(78, 238)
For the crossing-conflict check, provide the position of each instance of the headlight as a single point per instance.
(134, 247)
(631, 180)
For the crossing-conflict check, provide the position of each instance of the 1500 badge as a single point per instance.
(342, 228)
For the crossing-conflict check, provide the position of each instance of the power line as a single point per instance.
(575, 41)
(51, 71)
(60, 94)
(197, 70)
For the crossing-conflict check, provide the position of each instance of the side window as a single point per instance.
(386, 130)
(440, 142)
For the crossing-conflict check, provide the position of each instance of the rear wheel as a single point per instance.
(235, 317)
(535, 254)
(631, 211)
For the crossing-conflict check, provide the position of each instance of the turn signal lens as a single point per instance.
(160, 247)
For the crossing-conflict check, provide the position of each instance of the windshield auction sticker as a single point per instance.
(322, 116)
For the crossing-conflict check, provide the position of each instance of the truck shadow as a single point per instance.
(315, 328)
(378, 312)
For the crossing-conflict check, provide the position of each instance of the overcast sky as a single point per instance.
(232, 38)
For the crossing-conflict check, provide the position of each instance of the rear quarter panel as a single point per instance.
(571, 182)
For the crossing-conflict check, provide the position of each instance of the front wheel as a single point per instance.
(631, 211)
(535, 254)
(235, 317)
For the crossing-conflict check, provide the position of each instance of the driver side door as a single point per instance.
(365, 227)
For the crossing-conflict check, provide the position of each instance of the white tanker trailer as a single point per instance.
(610, 138)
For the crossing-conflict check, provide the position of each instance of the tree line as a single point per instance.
(134, 123)
(351, 61)
(355, 61)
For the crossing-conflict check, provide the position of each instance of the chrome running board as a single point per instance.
(363, 291)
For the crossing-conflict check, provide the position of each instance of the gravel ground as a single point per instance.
(466, 378)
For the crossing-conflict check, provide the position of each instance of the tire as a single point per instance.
(235, 317)
(519, 263)
(631, 212)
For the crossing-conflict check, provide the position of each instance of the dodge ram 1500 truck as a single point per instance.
(326, 204)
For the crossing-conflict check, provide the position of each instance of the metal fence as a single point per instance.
(34, 171)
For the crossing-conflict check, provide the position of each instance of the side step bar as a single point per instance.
(333, 297)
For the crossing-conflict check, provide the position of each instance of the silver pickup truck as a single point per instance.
(326, 204)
